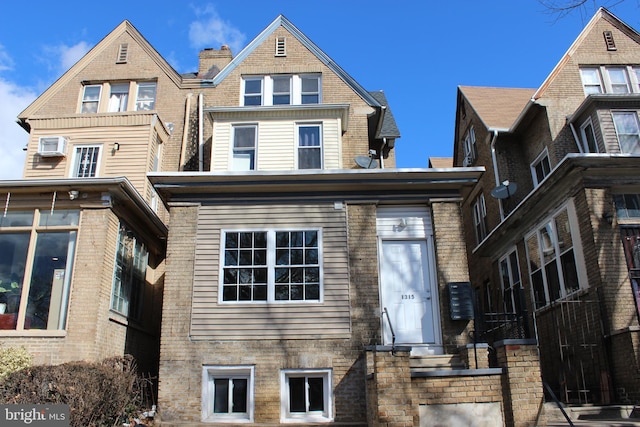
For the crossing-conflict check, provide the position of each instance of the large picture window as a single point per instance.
(274, 265)
(129, 274)
(551, 255)
(36, 256)
(227, 393)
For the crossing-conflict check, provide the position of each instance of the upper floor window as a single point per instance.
(588, 136)
(552, 258)
(244, 147)
(86, 159)
(119, 95)
(91, 98)
(610, 79)
(627, 206)
(36, 261)
(309, 146)
(306, 395)
(627, 130)
(479, 218)
(510, 278)
(540, 168)
(146, 98)
(271, 266)
(129, 274)
(281, 90)
(470, 149)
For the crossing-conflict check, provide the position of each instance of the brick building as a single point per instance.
(551, 228)
(244, 231)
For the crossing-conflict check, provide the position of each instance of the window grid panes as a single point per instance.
(275, 265)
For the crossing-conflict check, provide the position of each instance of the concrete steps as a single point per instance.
(592, 413)
(437, 362)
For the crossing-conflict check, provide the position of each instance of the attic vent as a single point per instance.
(123, 53)
(281, 46)
(608, 39)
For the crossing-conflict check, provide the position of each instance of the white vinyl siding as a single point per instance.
(327, 319)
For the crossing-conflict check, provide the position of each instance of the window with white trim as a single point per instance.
(588, 137)
(227, 393)
(272, 266)
(309, 146)
(610, 79)
(551, 256)
(296, 89)
(306, 395)
(510, 281)
(146, 96)
(540, 168)
(627, 206)
(243, 155)
(618, 80)
(470, 149)
(129, 274)
(91, 98)
(86, 160)
(479, 210)
(627, 130)
(119, 97)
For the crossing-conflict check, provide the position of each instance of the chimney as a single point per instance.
(213, 60)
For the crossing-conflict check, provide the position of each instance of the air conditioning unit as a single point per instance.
(468, 160)
(52, 146)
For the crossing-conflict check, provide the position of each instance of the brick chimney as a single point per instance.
(213, 60)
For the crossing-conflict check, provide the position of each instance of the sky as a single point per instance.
(417, 52)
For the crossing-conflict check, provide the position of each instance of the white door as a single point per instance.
(408, 294)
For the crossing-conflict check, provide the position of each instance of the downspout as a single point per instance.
(495, 167)
(185, 132)
(384, 144)
(575, 137)
(200, 134)
(383, 110)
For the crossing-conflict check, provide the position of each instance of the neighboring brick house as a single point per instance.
(552, 228)
(306, 279)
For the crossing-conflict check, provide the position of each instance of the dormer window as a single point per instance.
(281, 90)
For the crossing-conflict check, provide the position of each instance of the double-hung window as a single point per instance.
(510, 278)
(627, 130)
(540, 168)
(271, 266)
(227, 393)
(296, 89)
(86, 161)
(306, 395)
(310, 93)
(252, 91)
(618, 80)
(551, 256)
(627, 206)
(309, 146)
(479, 210)
(243, 156)
(281, 90)
(91, 98)
(129, 274)
(588, 136)
(470, 149)
(119, 97)
(37, 250)
(610, 79)
(146, 97)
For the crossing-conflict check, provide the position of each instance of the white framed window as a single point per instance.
(479, 210)
(271, 266)
(610, 79)
(588, 137)
(554, 258)
(627, 131)
(470, 149)
(243, 152)
(146, 96)
(309, 136)
(294, 89)
(91, 98)
(510, 281)
(129, 274)
(306, 395)
(618, 80)
(119, 97)
(281, 90)
(591, 81)
(540, 168)
(86, 161)
(228, 393)
(635, 79)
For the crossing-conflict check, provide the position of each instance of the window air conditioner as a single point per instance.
(468, 160)
(52, 146)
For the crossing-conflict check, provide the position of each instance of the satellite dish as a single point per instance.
(366, 162)
(504, 190)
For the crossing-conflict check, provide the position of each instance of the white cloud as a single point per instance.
(12, 137)
(62, 57)
(209, 30)
(6, 63)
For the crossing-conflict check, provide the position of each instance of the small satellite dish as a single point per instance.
(366, 162)
(504, 190)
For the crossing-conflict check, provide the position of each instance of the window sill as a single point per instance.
(33, 333)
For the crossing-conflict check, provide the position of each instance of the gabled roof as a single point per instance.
(602, 13)
(389, 127)
(302, 38)
(498, 108)
(124, 27)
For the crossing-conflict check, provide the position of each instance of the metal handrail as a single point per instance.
(393, 335)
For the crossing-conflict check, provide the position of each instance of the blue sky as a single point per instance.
(418, 52)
